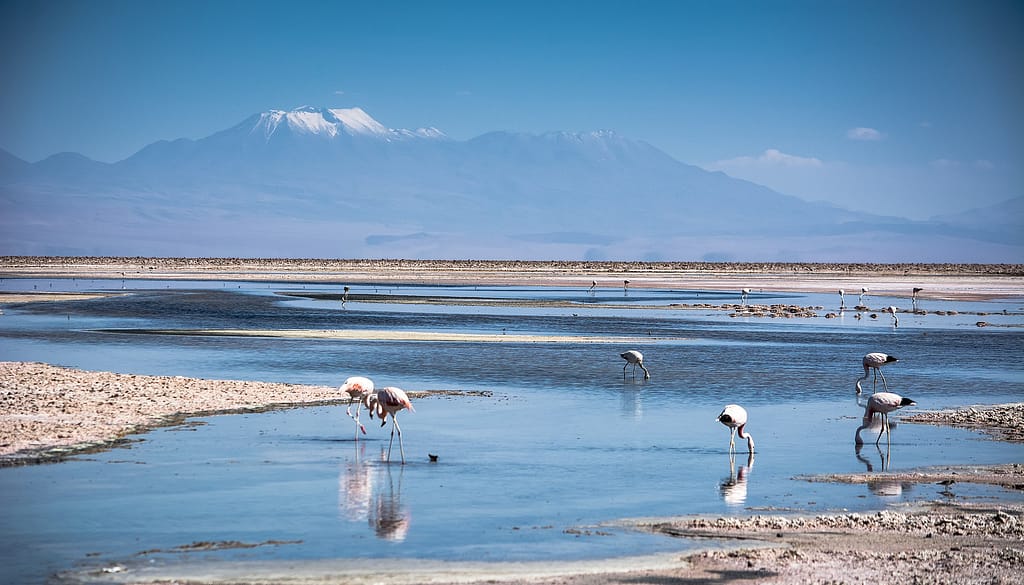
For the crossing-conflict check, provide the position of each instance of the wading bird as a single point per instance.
(387, 401)
(744, 293)
(357, 387)
(882, 403)
(875, 361)
(895, 320)
(637, 359)
(917, 289)
(860, 299)
(734, 416)
(842, 299)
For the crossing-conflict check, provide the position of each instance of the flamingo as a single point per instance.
(357, 387)
(875, 361)
(842, 299)
(882, 403)
(387, 401)
(917, 289)
(860, 299)
(734, 416)
(637, 359)
(744, 293)
(895, 320)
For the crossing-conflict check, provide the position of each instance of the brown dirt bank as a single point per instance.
(937, 280)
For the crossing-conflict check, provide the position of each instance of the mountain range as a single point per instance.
(318, 182)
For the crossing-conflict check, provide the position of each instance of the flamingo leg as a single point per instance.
(884, 430)
(359, 425)
(401, 446)
(392, 441)
(624, 370)
(884, 384)
(732, 441)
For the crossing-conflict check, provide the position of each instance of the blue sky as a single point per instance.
(912, 108)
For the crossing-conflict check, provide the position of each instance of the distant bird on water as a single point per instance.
(860, 299)
(734, 416)
(387, 401)
(917, 289)
(875, 361)
(357, 387)
(637, 359)
(895, 320)
(744, 293)
(882, 403)
(842, 299)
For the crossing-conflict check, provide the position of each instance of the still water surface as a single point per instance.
(543, 468)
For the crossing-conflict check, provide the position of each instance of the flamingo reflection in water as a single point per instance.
(369, 492)
(388, 517)
(734, 487)
(355, 487)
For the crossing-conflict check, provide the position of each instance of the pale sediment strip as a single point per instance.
(49, 412)
(394, 335)
(939, 281)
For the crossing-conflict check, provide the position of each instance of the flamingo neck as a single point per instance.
(739, 431)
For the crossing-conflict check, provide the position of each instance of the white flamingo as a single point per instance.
(860, 299)
(881, 403)
(895, 320)
(637, 359)
(875, 361)
(744, 294)
(357, 387)
(387, 401)
(734, 416)
(842, 299)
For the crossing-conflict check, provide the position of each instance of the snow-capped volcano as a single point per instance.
(334, 181)
(331, 123)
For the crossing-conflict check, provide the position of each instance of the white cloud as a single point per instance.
(769, 158)
(339, 92)
(861, 133)
(945, 163)
(984, 165)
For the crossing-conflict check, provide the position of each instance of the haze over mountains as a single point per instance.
(315, 182)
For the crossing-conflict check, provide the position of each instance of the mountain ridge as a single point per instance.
(343, 180)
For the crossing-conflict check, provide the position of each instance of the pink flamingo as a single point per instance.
(357, 387)
(387, 401)
(734, 416)
(882, 403)
(875, 361)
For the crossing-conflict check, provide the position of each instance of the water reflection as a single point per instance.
(631, 403)
(355, 487)
(734, 487)
(883, 458)
(372, 492)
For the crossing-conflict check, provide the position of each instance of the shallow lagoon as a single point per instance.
(543, 468)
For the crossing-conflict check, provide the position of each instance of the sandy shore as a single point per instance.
(938, 281)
